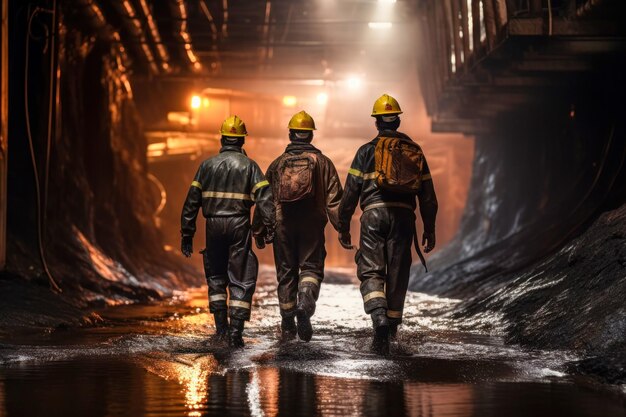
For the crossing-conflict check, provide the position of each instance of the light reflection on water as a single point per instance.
(190, 371)
(189, 387)
(158, 361)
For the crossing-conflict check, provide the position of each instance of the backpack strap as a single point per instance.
(417, 248)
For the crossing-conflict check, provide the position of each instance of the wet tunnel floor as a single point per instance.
(159, 360)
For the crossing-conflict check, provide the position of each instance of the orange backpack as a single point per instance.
(399, 163)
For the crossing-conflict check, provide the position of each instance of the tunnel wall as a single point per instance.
(540, 254)
(100, 237)
(540, 178)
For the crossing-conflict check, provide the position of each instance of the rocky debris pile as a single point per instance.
(572, 299)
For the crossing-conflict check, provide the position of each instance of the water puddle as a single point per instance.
(160, 360)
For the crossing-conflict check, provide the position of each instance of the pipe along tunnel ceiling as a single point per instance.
(540, 171)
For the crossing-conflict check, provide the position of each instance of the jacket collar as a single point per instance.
(232, 148)
(301, 147)
(389, 134)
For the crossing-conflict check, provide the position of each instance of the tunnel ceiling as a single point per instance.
(293, 40)
(480, 60)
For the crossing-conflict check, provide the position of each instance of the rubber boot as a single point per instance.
(380, 322)
(393, 330)
(235, 339)
(305, 330)
(288, 329)
(221, 325)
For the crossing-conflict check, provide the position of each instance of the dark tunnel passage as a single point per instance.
(108, 108)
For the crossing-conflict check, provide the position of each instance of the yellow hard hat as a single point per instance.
(302, 121)
(386, 105)
(234, 126)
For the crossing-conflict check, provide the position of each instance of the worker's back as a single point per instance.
(288, 176)
(227, 181)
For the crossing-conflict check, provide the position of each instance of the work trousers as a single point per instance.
(230, 265)
(299, 255)
(384, 259)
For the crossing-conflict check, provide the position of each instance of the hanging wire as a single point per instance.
(39, 206)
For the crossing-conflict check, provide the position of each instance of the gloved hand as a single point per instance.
(345, 240)
(186, 246)
(428, 241)
(259, 241)
(269, 237)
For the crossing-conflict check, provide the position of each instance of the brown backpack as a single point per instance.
(399, 163)
(296, 177)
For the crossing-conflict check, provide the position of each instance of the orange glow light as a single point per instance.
(289, 101)
(196, 101)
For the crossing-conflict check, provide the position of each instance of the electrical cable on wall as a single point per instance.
(51, 113)
(39, 206)
(162, 194)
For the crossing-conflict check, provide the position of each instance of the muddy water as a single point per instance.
(160, 361)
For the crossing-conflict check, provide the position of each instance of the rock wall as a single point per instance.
(101, 240)
(539, 180)
(542, 241)
(572, 299)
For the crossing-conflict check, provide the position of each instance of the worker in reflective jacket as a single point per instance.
(306, 192)
(226, 186)
(388, 222)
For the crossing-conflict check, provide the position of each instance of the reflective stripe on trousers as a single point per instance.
(239, 304)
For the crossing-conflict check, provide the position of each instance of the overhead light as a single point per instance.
(353, 82)
(206, 102)
(158, 146)
(289, 101)
(178, 117)
(379, 25)
(196, 101)
(322, 98)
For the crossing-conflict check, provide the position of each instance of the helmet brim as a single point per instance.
(386, 113)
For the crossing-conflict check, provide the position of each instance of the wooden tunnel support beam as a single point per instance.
(456, 34)
(466, 34)
(490, 23)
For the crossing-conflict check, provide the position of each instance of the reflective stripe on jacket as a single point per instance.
(227, 185)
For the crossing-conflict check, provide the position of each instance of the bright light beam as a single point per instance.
(322, 98)
(354, 82)
(196, 102)
(289, 101)
(379, 25)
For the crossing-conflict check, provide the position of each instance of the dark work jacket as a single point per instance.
(326, 195)
(361, 185)
(228, 185)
